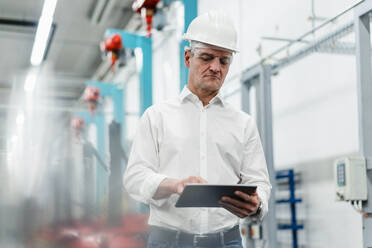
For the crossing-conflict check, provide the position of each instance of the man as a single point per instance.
(199, 138)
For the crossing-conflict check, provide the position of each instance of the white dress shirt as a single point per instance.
(181, 138)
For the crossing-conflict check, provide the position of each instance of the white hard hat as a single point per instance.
(214, 28)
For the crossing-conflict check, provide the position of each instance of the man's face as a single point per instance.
(207, 68)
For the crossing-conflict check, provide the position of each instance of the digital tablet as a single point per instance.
(208, 195)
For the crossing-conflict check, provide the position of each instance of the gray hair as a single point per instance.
(197, 44)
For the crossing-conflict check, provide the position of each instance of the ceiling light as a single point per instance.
(43, 30)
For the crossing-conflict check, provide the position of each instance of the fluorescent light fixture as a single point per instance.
(30, 80)
(43, 30)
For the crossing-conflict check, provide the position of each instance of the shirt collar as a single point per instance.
(187, 94)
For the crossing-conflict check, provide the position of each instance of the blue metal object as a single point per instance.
(292, 200)
(101, 175)
(111, 90)
(190, 12)
(133, 41)
(290, 227)
(106, 90)
(289, 201)
(117, 95)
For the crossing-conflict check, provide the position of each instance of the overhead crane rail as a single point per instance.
(329, 43)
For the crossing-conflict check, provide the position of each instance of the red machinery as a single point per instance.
(91, 95)
(77, 123)
(131, 233)
(149, 6)
(112, 47)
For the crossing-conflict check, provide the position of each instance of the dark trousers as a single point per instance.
(165, 238)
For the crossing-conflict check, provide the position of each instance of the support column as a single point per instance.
(246, 105)
(261, 77)
(101, 176)
(364, 81)
(190, 12)
(264, 122)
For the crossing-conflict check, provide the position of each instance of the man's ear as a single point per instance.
(187, 58)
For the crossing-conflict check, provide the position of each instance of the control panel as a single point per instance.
(351, 179)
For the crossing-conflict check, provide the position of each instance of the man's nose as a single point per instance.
(215, 65)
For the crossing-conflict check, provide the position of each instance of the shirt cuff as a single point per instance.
(259, 216)
(150, 186)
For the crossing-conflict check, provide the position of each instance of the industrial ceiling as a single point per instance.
(73, 55)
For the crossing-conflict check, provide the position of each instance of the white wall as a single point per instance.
(315, 109)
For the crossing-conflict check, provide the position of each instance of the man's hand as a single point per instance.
(171, 186)
(246, 206)
(180, 185)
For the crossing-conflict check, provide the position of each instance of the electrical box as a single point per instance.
(351, 179)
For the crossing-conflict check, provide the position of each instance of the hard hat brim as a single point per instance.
(225, 47)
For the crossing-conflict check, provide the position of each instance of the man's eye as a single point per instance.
(206, 58)
(223, 61)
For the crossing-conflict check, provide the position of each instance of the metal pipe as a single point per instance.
(98, 11)
(346, 29)
(313, 16)
(15, 22)
(238, 74)
(310, 32)
(107, 11)
(282, 39)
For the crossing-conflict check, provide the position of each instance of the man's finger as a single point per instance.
(225, 206)
(240, 204)
(203, 180)
(253, 201)
(199, 180)
(195, 179)
(180, 188)
(233, 210)
(248, 198)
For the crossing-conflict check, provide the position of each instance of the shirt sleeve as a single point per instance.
(254, 168)
(141, 177)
